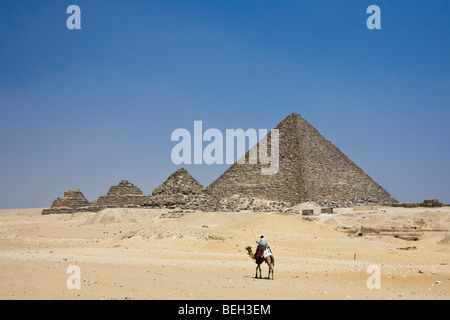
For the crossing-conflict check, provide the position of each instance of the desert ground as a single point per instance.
(170, 254)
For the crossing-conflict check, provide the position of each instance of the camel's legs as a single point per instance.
(270, 271)
(269, 263)
(258, 267)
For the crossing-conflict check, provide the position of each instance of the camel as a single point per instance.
(269, 260)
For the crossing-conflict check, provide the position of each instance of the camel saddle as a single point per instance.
(262, 252)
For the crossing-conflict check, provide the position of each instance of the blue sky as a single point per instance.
(87, 108)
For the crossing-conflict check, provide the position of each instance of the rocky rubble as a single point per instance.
(348, 203)
(238, 203)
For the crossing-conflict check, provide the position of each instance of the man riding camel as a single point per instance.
(263, 250)
(262, 242)
(263, 254)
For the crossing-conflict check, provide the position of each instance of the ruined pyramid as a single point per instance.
(73, 201)
(125, 194)
(179, 182)
(182, 191)
(310, 169)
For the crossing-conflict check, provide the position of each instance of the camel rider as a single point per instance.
(262, 247)
(262, 242)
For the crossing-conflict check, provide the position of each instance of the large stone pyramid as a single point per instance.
(310, 169)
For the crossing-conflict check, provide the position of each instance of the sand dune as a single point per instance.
(171, 254)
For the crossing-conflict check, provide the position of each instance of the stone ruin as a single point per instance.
(426, 203)
(179, 182)
(182, 191)
(311, 169)
(73, 201)
(125, 194)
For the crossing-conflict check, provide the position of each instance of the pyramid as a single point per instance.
(310, 169)
(125, 194)
(179, 182)
(124, 188)
(73, 201)
(182, 191)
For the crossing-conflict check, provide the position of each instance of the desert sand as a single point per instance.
(169, 254)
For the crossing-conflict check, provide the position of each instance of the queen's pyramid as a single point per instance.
(179, 182)
(310, 169)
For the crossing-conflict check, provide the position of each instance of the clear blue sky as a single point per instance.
(87, 108)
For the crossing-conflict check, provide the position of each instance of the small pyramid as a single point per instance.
(179, 182)
(124, 188)
(310, 169)
(124, 194)
(182, 191)
(73, 201)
